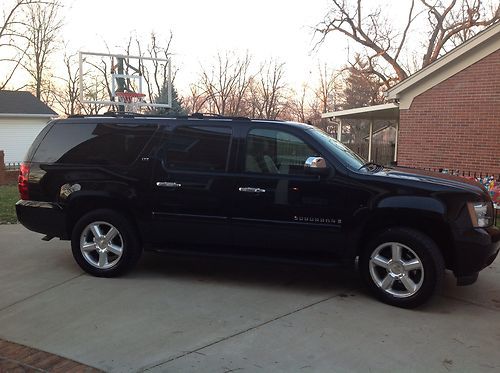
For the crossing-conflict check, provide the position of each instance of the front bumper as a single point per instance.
(475, 249)
(42, 217)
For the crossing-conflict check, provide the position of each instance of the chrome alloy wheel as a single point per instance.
(396, 269)
(101, 245)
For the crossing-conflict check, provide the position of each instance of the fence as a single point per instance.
(475, 175)
(8, 172)
(12, 166)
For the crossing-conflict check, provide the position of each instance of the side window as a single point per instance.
(94, 144)
(197, 148)
(276, 152)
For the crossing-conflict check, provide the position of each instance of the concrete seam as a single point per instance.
(470, 303)
(236, 334)
(41, 292)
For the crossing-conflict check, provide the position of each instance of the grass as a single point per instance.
(8, 198)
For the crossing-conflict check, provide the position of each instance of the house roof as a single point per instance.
(384, 111)
(22, 103)
(461, 57)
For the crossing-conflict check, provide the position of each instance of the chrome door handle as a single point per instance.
(251, 190)
(168, 184)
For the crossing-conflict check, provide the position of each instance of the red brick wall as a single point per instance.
(456, 124)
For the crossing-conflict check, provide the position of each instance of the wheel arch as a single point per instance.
(430, 223)
(80, 206)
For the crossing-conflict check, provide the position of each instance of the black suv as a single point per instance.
(117, 184)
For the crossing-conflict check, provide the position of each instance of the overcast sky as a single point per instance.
(267, 29)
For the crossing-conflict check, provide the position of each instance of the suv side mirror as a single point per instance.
(316, 166)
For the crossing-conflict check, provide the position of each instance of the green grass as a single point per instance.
(8, 198)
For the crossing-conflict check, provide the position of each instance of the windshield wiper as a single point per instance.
(371, 166)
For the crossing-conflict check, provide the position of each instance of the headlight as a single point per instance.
(481, 213)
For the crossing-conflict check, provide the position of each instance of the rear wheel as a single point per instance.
(105, 244)
(402, 267)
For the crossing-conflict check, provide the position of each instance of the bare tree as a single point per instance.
(226, 84)
(42, 27)
(12, 46)
(298, 108)
(196, 100)
(157, 76)
(270, 93)
(67, 95)
(327, 92)
(448, 22)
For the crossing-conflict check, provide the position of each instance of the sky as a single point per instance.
(266, 29)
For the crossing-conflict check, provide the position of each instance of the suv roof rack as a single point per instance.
(216, 116)
(128, 114)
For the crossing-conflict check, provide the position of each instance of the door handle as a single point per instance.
(168, 184)
(251, 190)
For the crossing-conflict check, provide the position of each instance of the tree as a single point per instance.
(269, 92)
(225, 84)
(12, 49)
(361, 89)
(177, 108)
(67, 95)
(448, 23)
(42, 27)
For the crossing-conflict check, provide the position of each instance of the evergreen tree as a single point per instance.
(177, 108)
(362, 87)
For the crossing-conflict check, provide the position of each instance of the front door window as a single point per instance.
(276, 152)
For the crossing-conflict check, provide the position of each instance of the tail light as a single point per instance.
(22, 181)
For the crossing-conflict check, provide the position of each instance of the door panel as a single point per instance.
(191, 185)
(284, 208)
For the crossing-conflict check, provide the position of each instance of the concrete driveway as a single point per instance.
(199, 315)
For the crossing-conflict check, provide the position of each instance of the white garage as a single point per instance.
(22, 117)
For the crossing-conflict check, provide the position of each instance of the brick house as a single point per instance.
(449, 112)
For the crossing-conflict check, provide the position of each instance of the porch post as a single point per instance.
(339, 130)
(370, 138)
(396, 141)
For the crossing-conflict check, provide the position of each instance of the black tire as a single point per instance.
(410, 281)
(125, 241)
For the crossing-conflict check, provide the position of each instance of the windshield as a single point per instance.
(349, 158)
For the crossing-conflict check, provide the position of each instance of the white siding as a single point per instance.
(17, 134)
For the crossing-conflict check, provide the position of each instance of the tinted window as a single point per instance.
(272, 151)
(90, 143)
(197, 148)
(342, 152)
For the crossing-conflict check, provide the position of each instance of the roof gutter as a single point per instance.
(20, 115)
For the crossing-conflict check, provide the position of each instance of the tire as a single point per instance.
(105, 244)
(402, 267)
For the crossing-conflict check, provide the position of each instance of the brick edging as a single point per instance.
(15, 357)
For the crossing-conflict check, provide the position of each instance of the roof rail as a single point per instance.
(217, 116)
(127, 114)
(110, 114)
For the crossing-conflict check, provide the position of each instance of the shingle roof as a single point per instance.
(22, 102)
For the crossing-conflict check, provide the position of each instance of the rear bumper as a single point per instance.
(42, 217)
(476, 248)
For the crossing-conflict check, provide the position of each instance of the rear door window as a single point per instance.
(201, 148)
(94, 143)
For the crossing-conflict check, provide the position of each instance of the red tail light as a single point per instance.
(22, 181)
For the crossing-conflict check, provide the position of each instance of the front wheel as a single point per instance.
(402, 267)
(105, 244)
